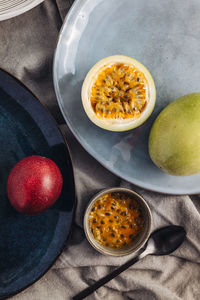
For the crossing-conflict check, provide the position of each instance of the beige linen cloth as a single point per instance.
(27, 44)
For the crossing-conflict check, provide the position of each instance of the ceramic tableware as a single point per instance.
(30, 244)
(164, 36)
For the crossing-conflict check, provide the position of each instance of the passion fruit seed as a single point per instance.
(120, 91)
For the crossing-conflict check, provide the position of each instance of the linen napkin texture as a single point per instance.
(27, 44)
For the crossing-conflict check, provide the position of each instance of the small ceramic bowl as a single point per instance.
(138, 242)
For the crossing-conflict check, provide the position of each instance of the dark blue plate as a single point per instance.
(30, 244)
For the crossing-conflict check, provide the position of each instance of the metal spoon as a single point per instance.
(161, 242)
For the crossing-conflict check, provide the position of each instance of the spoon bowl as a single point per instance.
(168, 239)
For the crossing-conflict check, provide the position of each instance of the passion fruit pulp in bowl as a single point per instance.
(117, 221)
(118, 93)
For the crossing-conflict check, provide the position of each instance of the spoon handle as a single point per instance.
(89, 290)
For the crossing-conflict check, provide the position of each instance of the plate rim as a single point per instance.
(67, 21)
(9, 13)
(73, 178)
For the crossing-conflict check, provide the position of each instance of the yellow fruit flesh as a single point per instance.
(120, 91)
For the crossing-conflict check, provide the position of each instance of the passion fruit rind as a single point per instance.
(118, 93)
(174, 140)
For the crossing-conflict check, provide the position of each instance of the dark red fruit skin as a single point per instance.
(34, 184)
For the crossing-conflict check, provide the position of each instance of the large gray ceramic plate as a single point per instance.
(165, 37)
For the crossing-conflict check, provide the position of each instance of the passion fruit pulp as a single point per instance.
(118, 93)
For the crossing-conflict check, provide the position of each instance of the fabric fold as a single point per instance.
(27, 48)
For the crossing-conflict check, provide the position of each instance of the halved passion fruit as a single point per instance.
(118, 93)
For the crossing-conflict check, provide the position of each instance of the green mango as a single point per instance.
(174, 140)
